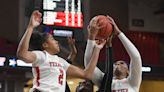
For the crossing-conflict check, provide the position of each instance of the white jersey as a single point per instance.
(49, 72)
(133, 81)
(122, 85)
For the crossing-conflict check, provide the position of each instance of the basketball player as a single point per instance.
(48, 69)
(124, 79)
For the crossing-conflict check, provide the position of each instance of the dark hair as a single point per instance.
(124, 62)
(85, 86)
(37, 39)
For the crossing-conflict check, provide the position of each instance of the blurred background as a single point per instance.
(141, 20)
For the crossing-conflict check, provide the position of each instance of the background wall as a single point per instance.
(9, 19)
(118, 9)
(143, 11)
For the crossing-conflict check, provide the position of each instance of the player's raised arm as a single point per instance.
(135, 72)
(22, 51)
(92, 32)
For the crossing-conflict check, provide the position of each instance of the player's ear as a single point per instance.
(44, 45)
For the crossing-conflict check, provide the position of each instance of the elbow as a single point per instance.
(23, 56)
(136, 56)
(20, 54)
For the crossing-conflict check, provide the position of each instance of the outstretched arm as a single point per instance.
(22, 51)
(135, 62)
(87, 73)
(135, 74)
(92, 32)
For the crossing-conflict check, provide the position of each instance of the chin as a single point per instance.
(117, 72)
(58, 50)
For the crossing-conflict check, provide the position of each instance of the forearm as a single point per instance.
(88, 51)
(87, 73)
(92, 64)
(24, 43)
(130, 48)
(92, 31)
(98, 74)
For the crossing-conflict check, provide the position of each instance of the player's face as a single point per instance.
(52, 45)
(120, 67)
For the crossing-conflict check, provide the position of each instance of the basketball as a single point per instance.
(105, 25)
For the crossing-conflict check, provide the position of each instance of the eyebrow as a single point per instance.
(119, 62)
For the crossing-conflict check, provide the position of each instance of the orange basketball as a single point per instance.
(105, 25)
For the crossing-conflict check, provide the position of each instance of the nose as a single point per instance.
(117, 64)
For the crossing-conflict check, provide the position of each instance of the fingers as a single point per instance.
(37, 13)
(93, 28)
(71, 40)
(116, 29)
(111, 19)
(100, 43)
(94, 24)
(36, 18)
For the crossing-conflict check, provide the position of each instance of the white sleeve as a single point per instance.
(40, 58)
(135, 72)
(65, 63)
(98, 74)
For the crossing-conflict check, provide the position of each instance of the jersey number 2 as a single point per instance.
(60, 79)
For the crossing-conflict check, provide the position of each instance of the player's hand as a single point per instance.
(35, 19)
(100, 43)
(116, 29)
(93, 29)
(71, 41)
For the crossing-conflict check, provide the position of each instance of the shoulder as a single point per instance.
(64, 62)
(40, 56)
(38, 52)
